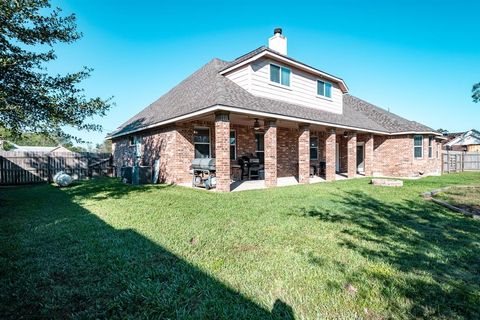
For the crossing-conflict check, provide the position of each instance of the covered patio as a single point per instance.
(253, 152)
(244, 185)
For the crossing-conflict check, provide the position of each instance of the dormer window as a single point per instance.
(324, 89)
(280, 75)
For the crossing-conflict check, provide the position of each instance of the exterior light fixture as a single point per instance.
(256, 125)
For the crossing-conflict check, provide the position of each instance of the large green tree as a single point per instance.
(476, 92)
(31, 99)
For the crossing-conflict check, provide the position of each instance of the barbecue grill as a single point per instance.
(204, 173)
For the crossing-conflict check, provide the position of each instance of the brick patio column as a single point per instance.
(330, 154)
(304, 153)
(222, 150)
(270, 152)
(369, 155)
(351, 155)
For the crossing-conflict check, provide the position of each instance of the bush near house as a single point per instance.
(331, 250)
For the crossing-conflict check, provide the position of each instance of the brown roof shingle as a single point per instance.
(206, 88)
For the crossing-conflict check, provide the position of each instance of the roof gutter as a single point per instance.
(259, 114)
(433, 133)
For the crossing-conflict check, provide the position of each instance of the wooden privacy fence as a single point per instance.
(18, 167)
(456, 161)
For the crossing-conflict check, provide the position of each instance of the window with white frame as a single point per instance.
(280, 75)
(233, 145)
(324, 89)
(418, 146)
(430, 147)
(313, 148)
(201, 141)
(260, 147)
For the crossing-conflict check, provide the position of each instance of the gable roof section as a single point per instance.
(265, 51)
(466, 138)
(207, 88)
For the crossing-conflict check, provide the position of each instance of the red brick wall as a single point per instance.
(342, 144)
(245, 140)
(304, 155)
(393, 156)
(156, 144)
(352, 155)
(287, 152)
(330, 147)
(222, 149)
(369, 154)
(271, 163)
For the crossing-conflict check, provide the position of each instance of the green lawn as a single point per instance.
(343, 250)
(465, 197)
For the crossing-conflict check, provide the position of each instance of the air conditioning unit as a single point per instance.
(136, 175)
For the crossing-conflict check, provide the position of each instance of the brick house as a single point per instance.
(289, 115)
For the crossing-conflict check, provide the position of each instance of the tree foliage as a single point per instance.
(36, 139)
(476, 92)
(32, 100)
(441, 130)
(105, 147)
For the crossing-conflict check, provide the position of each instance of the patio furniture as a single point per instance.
(236, 170)
(250, 167)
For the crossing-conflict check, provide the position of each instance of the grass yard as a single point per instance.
(343, 250)
(465, 197)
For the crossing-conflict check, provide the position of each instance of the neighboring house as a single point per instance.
(57, 149)
(288, 114)
(463, 141)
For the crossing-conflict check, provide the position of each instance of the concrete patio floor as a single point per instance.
(245, 185)
(281, 182)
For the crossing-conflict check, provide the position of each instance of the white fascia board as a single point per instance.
(432, 133)
(242, 111)
(266, 115)
(288, 61)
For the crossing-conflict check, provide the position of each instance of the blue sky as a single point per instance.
(417, 58)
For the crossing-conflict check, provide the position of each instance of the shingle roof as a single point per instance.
(464, 138)
(206, 88)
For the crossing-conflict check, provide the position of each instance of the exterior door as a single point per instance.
(337, 158)
(360, 158)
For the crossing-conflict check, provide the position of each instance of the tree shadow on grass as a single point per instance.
(436, 251)
(105, 188)
(59, 261)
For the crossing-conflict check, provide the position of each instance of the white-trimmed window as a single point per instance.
(201, 141)
(430, 146)
(418, 146)
(233, 145)
(260, 146)
(280, 75)
(131, 141)
(324, 88)
(313, 148)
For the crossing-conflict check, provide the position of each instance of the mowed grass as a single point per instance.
(342, 250)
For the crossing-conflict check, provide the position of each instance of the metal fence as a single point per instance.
(457, 161)
(34, 167)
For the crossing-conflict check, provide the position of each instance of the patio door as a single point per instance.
(361, 157)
